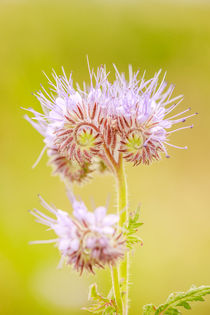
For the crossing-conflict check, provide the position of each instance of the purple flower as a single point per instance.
(132, 118)
(98, 221)
(87, 240)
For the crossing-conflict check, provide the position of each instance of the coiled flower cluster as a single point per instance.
(91, 126)
(86, 240)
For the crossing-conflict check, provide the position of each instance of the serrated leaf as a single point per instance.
(172, 311)
(178, 299)
(109, 311)
(198, 298)
(93, 294)
(102, 305)
(148, 309)
(185, 304)
(131, 227)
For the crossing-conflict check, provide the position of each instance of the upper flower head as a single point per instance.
(106, 120)
(87, 240)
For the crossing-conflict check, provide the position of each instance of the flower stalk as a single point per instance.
(122, 211)
(123, 214)
(116, 289)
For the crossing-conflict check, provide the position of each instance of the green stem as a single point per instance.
(118, 170)
(121, 193)
(123, 213)
(116, 289)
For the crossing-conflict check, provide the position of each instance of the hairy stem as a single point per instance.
(118, 170)
(123, 213)
(116, 289)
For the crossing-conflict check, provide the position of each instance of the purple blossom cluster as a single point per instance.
(86, 240)
(83, 127)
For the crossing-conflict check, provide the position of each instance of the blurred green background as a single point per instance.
(174, 193)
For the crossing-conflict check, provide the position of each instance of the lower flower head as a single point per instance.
(86, 240)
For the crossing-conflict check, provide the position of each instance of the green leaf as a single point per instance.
(93, 294)
(148, 309)
(185, 304)
(109, 310)
(176, 300)
(131, 227)
(172, 311)
(100, 304)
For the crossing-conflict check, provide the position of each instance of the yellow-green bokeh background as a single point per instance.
(174, 193)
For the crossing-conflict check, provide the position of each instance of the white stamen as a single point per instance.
(187, 127)
(43, 241)
(175, 146)
(45, 205)
(61, 262)
(184, 118)
(170, 109)
(39, 157)
(187, 110)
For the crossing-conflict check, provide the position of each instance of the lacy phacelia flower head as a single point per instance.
(124, 118)
(87, 240)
